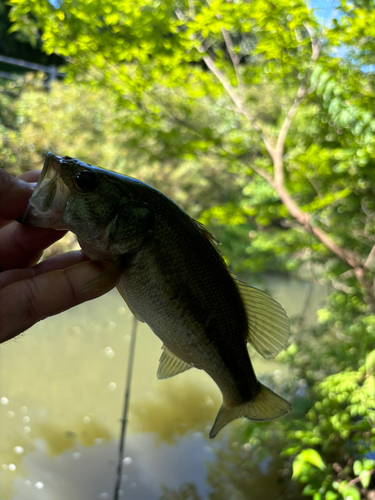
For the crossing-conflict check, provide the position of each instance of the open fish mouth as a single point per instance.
(48, 201)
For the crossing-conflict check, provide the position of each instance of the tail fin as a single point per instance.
(266, 405)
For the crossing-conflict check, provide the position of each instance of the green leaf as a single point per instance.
(370, 362)
(357, 467)
(365, 478)
(298, 466)
(312, 456)
(349, 492)
(331, 495)
(368, 463)
(309, 490)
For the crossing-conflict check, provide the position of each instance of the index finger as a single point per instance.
(14, 195)
(30, 176)
(28, 301)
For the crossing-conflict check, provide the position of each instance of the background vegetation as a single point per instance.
(258, 118)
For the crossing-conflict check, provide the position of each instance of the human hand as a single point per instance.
(29, 291)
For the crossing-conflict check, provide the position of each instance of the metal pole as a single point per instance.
(124, 419)
(50, 70)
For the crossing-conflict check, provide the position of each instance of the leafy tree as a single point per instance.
(17, 45)
(57, 121)
(227, 56)
(259, 90)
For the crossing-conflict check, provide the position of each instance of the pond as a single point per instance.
(61, 397)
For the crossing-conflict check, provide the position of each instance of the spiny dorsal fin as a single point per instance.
(129, 306)
(268, 323)
(170, 365)
(211, 238)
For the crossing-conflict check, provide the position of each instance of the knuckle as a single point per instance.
(7, 181)
(33, 298)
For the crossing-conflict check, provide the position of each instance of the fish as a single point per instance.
(170, 272)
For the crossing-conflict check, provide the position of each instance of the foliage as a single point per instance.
(341, 426)
(355, 28)
(38, 121)
(13, 43)
(265, 119)
(58, 121)
(326, 451)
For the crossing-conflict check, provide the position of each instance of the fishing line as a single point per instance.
(124, 419)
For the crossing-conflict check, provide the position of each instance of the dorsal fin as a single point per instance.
(268, 323)
(210, 237)
(170, 364)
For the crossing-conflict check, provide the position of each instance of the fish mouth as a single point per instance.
(48, 200)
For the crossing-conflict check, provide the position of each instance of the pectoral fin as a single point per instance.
(107, 279)
(266, 405)
(268, 323)
(170, 365)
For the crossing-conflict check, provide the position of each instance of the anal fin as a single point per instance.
(170, 364)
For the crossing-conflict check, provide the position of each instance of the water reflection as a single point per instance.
(179, 406)
(87, 472)
(61, 394)
(236, 475)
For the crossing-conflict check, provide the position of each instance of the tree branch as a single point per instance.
(237, 101)
(225, 83)
(233, 56)
(301, 94)
(280, 143)
(369, 262)
(263, 174)
(302, 217)
(347, 256)
(357, 479)
(276, 154)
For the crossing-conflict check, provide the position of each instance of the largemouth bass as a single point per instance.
(169, 271)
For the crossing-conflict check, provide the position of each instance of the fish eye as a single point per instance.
(86, 181)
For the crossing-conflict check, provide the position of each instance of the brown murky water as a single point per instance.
(61, 396)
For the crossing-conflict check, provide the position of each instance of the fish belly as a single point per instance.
(208, 337)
